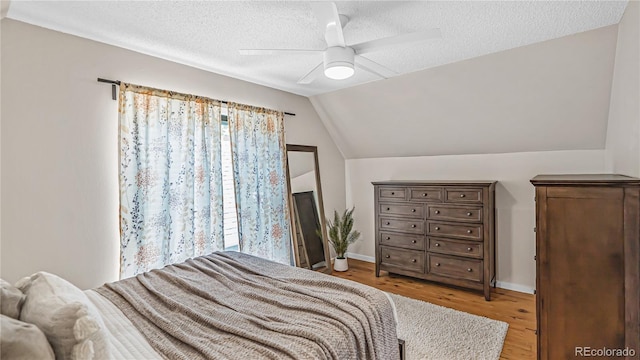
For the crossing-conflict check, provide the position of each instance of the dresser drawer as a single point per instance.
(415, 242)
(456, 247)
(454, 267)
(425, 194)
(395, 193)
(463, 231)
(407, 210)
(449, 213)
(412, 260)
(411, 226)
(468, 196)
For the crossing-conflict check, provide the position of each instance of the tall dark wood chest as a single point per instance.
(441, 231)
(587, 265)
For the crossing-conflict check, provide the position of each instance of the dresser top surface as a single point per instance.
(435, 182)
(584, 179)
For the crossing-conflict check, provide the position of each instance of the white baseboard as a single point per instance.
(370, 259)
(514, 287)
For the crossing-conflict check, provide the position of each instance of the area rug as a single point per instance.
(433, 332)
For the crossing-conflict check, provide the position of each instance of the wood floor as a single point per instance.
(515, 308)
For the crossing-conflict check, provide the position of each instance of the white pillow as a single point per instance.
(22, 341)
(11, 300)
(67, 317)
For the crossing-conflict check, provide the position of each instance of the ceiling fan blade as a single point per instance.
(312, 75)
(278, 51)
(404, 39)
(374, 68)
(327, 15)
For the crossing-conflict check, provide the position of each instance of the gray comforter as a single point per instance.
(234, 306)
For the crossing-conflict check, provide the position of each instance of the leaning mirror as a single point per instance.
(308, 228)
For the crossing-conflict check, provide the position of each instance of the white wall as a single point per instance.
(59, 146)
(515, 204)
(304, 182)
(623, 132)
(4, 7)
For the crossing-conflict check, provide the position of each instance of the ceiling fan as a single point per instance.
(339, 59)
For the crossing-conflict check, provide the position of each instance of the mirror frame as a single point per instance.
(321, 215)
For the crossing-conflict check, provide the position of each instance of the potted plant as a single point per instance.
(341, 235)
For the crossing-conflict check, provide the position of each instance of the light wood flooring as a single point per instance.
(515, 308)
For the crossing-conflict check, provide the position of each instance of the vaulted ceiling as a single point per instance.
(209, 34)
(548, 96)
(504, 77)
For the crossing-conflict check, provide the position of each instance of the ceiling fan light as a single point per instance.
(339, 71)
(338, 63)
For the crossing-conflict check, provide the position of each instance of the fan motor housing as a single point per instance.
(338, 56)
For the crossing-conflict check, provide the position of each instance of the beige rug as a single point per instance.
(433, 332)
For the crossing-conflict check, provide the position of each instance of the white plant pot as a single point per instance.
(340, 264)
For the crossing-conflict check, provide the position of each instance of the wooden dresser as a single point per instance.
(588, 264)
(441, 231)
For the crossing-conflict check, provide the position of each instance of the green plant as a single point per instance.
(341, 233)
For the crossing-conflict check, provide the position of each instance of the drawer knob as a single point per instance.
(437, 211)
(387, 256)
(462, 195)
(388, 237)
(388, 223)
(413, 210)
(413, 225)
(469, 270)
(437, 227)
(437, 264)
(424, 194)
(393, 193)
(468, 231)
(414, 260)
(437, 244)
(469, 249)
(414, 241)
(468, 214)
(388, 209)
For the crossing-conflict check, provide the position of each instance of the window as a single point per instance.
(228, 190)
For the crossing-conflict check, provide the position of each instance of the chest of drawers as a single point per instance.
(587, 265)
(442, 231)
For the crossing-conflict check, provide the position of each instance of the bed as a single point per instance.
(229, 305)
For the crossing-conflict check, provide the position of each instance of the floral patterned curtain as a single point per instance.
(259, 158)
(171, 204)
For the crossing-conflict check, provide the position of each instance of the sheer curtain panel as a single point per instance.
(171, 204)
(259, 157)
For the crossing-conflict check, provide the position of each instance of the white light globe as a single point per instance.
(339, 72)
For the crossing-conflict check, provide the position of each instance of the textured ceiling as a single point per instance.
(208, 35)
